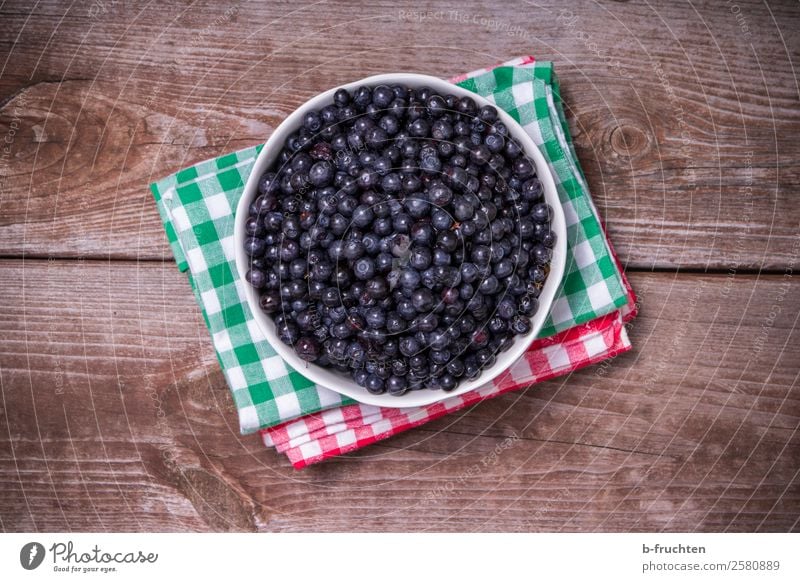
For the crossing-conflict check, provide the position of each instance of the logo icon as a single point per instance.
(31, 555)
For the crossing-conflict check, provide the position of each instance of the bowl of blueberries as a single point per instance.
(401, 240)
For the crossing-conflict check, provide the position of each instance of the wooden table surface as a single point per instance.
(114, 412)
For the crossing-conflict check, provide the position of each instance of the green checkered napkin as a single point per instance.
(197, 205)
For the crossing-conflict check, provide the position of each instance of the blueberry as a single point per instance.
(409, 278)
(479, 338)
(441, 219)
(506, 308)
(341, 331)
(457, 177)
(406, 309)
(419, 128)
(382, 96)
(447, 240)
(441, 256)
(541, 213)
(480, 154)
(471, 368)
(537, 275)
(429, 278)
(371, 242)
(438, 340)
(375, 317)
(548, 239)
(355, 354)
(466, 106)
(382, 226)
(455, 368)
(347, 204)
(320, 271)
(446, 149)
(462, 209)
(488, 114)
(362, 97)
(377, 288)
(513, 149)
(521, 324)
(440, 195)
(450, 295)
(270, 301)
(376, 137)
(409, 346)
(411, 183)
(527, 305)
(541, 255)
(390, 183)
(420, 258)
(364, 269)
(395, 323)
(497, 325)
(367, 178)
(422, 233)
(383, 262)
(447, 382)
(397, 385)
(410, 149)
(427, 322)
(288, 333)
(485, 358)
(375, 384)
(430, 162)
(256, 277)
(436, 105)
(400, 91)
(312, 121)
(360, 377)
(442, 130)
(390, 348)
(254, 247)
(289, 250)
(353, 249)
(481, 254)
(503, 268)
(522, 167)
(389, 124)
(469, 272)
(341, 97)
(422, 300)
(362, 216)
(401, 223)
(268, 184)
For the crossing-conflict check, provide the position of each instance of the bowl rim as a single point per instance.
(337, 381)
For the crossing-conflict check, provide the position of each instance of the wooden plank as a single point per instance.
(116, 416)
(687, 143)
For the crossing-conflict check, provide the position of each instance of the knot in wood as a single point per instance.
(628, 140)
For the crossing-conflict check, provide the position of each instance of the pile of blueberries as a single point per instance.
(401, 237)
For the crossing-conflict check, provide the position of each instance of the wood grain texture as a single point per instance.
(684, 124)
(119, 418)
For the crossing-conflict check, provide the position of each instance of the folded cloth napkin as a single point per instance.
(309, 423)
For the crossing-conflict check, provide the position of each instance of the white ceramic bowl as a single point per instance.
(338, 381)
